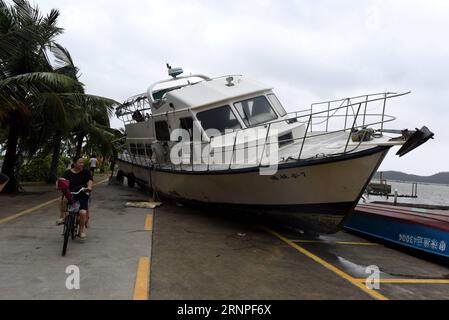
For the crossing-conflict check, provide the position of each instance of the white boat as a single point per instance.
(228, 142)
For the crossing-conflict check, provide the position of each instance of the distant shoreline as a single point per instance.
(441, 178)
(418, 182)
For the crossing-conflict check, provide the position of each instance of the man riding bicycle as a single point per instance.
(79, 178)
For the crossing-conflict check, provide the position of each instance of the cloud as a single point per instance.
(309, 51)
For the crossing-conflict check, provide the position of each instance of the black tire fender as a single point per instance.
(131, 180)
(120, 176)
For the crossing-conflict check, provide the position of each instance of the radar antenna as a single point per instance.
(174, 72)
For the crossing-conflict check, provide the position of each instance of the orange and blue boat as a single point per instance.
(423, 229)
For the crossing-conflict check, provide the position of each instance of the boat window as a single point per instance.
(138, 116)
(255, 111)
(187, 124)
(220, 118)
(133, 148)
(148, 150)
(285, 139)
(277, 104)
(162, 132)
(141, 150)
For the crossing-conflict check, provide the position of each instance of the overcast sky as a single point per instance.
(308, 50)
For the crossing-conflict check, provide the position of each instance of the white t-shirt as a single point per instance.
(93, 162)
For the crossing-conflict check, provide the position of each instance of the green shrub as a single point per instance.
(36, 169)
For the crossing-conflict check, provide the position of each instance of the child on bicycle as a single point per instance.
(79, 178)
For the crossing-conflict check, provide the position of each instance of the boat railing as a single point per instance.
(151, 90)
(135, 109)
(352, 102)
(346, 115)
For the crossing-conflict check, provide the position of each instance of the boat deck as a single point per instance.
(318, 144)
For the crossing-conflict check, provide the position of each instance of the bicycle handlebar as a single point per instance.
(79, 191)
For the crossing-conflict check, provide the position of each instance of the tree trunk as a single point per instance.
(9, 162)
(79, 144)
(113, 158)
(52, 174)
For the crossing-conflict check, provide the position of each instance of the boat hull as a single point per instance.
(315, 195)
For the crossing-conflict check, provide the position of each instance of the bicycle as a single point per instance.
(71, 223)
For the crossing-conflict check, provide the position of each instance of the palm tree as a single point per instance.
(93, 122)
(81, 106)
(25, 79)
(38, 101)
(42, 103)
(51, 118)
(16, 114)
(52, 124)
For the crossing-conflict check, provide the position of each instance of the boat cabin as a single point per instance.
(224, 104)
(212, 108)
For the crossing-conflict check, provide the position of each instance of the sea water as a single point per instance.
(430, 194)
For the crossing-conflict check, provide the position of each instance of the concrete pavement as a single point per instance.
(31, 265)
(176, 252)
(210, 255)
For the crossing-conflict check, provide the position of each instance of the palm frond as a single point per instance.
(62, 55)
(52, 18)
(50, 79)
(92, 103)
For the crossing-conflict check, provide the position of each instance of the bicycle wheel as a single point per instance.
(68, 226)
(75, 228)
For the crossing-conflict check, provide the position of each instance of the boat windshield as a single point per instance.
(255, 111)
(277, 104)
(220, 119)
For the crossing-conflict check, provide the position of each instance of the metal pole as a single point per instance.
(352, 128)
(208, 158)
(415, 189)
(383, 112)
(346, 116)
(311, 121)
(305, 137)
(263, 150)
(364, 114)
(192, 157)
(233, 150)
(182, 159)
(327, 120)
